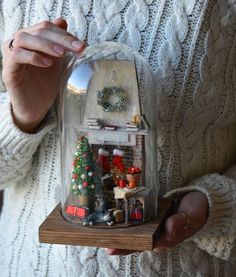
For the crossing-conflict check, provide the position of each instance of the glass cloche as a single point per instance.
(108, 151)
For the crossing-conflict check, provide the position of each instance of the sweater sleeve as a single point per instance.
(16, 147)
(2, 87)
(217, 237)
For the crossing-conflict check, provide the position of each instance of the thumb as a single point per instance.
(175, 225)
(60, 22)
(174, 232)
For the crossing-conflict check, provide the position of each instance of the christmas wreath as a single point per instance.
(104, 95)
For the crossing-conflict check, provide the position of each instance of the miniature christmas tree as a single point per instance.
(83, 173)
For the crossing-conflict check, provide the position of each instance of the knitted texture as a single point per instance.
(1, 40)
(191, 47)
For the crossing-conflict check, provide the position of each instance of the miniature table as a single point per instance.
(122, 193)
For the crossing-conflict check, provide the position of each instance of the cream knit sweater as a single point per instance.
(191, 46)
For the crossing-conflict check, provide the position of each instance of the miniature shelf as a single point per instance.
(56, 230)
(142, 132)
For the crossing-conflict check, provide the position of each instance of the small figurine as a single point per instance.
(101, 215)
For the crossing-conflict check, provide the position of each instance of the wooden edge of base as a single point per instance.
(56, 230)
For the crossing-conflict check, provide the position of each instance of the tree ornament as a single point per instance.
(104, 95)
(92, 186)
(75, 187)
(102, 161)
(85, 184)
(90, 174)
(87, 167)
(83, 176)
(81, 138)
(75, 176)
(80, 187)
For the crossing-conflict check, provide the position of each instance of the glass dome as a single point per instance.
(107, 138)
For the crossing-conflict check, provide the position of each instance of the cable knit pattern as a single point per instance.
(14, 144)
(193, 262)
(176, 29)
(107, 20)
(208, 98)
(12, 10)
(136, 20)
(175, 33)
(191, 46)
(147, 258)
(43, 9)
(77, 23)
(1, 41)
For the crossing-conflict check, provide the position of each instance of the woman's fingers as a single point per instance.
(114, 251)
(39, 44)
(20, 56)
(189, 218)
(57, 25)
(55, 39)
(66, 40)
(60, 22)
(175, 232)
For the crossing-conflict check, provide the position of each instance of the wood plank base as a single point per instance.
(56, 230)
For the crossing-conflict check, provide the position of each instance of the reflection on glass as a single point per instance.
(79, 79)
(77, 86)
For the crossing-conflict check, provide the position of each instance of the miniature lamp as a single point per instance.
(108, 151)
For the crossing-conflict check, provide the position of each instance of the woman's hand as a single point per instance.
(32, 69)
(194, 205)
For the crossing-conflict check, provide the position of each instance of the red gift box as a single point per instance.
(71, 210)
(136, 213)
(81, 212)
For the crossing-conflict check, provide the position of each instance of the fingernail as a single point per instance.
(46, 61)
(76, 44)
(59, 49)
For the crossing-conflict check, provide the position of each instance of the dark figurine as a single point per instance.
(101, 215)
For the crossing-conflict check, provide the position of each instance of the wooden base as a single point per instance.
(56, 230)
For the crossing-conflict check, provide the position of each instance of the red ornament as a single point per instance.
(122, 183)
(87, 167)
(85, 155)
(74, 163)
(134, 170)
(75, 176)
(85, 184)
